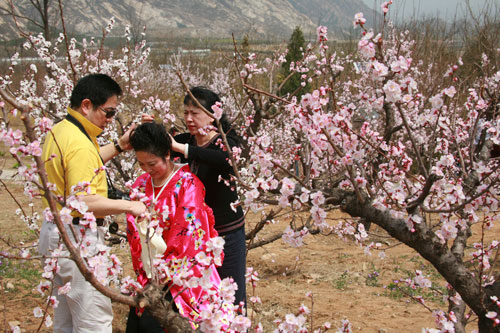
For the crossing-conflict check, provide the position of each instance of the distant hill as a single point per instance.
(205, 18)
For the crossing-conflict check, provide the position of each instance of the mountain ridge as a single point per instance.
(257, 19)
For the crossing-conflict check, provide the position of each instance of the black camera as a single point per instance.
(114, 230)
(114, 193)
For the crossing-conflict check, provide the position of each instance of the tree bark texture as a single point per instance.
(429, 246)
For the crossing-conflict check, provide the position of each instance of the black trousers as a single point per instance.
(234, 264)
(146, 323)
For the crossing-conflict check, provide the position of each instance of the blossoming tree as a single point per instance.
(37, 104)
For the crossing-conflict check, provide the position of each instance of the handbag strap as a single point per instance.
(75, 122)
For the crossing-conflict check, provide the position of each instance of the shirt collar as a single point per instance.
(89, 127)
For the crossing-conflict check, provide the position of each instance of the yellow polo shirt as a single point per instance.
(76, 158)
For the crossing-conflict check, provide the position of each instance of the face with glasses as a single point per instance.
(109, 112)
(100, 115)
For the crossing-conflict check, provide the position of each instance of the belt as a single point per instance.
(230, 227)
(99, 222)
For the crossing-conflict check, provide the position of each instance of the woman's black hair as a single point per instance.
(207, 98)
(151, 138)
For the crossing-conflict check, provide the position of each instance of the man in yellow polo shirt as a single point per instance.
(72, 156)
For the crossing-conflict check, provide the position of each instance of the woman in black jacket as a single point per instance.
(201, 148)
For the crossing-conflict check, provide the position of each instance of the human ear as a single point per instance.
(86, 106)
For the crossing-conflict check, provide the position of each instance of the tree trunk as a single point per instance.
(161, 309)
(429, 246)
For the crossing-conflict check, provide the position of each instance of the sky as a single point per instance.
(445, 9)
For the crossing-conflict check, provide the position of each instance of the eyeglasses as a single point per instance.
(110, 112)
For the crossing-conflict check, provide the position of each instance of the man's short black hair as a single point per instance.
(96, 87)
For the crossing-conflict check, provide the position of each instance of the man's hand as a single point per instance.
(137, 208)
(124, 141)
(102, 206)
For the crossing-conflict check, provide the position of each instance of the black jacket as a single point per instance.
(209, 162)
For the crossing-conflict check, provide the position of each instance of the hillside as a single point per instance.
(195, 18)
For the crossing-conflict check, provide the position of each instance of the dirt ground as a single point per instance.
(344, 281)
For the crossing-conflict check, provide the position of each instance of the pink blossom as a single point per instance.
(17, 135)
(43, 287)
(385, 6)
(65, 215)
(227, 289)
(304, 197)
(379, 70)
(52, 300)
(345, 326)
(78, 204)
(47, 215)
(30, 149)
(317, 198)
(322, 33)
(38, 312)
(203, 259)
(241, 324)
(392, 91)
(421, 281)
(45, 124)
(378, 104)
(366, 48)
(64, 289)
(450, 91)
(359, 19)
(287, 189)
(304, 309)
(294, 238)
(265, 141)
(129, 286)
(48, 321)
(447, 231)
(436, 101)
(481, 104)
(491, 314)
(400, 65)
(252, 276)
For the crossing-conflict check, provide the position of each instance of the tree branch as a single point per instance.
(428, 245)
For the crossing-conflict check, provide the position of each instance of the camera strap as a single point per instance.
(75, 122)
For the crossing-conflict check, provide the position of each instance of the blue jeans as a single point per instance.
(234, 265)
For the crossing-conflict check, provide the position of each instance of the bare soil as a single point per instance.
(340, 276)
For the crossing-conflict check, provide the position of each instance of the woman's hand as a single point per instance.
(147, 118)
(176, 146)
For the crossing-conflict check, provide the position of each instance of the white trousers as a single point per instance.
(83, 309)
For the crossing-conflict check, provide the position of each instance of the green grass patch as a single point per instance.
(342, 281)
(24, 274)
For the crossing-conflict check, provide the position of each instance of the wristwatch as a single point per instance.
(117, 146)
